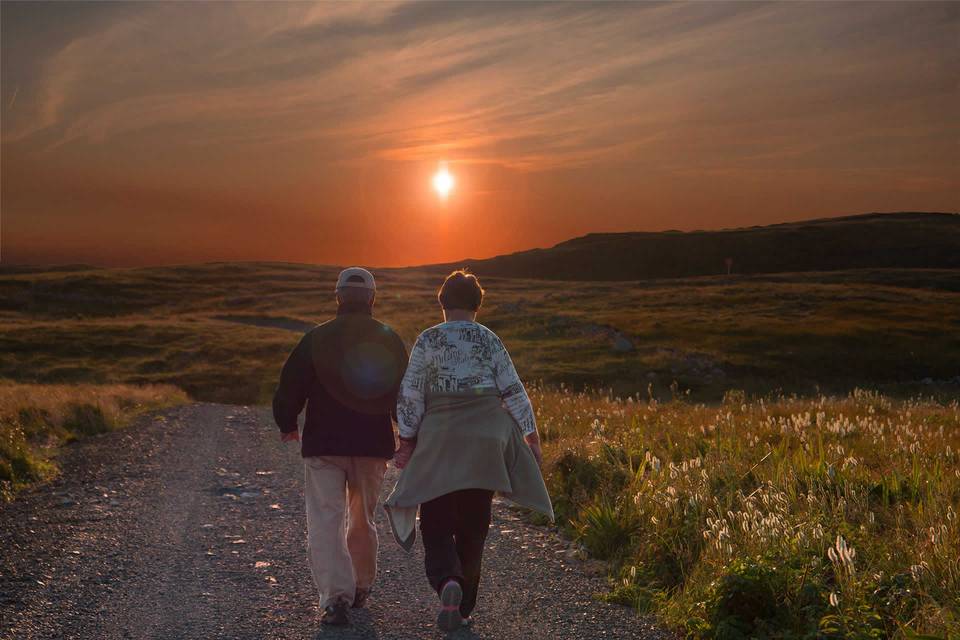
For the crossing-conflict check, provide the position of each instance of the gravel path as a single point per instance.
(192, 526)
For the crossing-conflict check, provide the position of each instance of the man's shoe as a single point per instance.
(449, 618)
(336, 614)
(360, 597)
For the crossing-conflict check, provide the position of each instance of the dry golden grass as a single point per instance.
(36, 419)
(221, 331)
(117, 401)
(785, 517)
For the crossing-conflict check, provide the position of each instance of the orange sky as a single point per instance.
(149, 133)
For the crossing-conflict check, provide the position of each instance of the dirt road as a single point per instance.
(192, 526)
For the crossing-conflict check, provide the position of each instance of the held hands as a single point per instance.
(403, 453)
(291, 436)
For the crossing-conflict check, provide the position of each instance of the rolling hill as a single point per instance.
(830, 304)
(869, 241)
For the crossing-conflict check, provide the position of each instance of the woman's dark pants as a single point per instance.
(454, 529)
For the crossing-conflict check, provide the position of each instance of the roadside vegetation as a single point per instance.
(828, 517)
(35, 420)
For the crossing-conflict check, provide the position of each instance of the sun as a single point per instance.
(443, 182)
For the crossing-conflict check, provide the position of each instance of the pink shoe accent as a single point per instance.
(449, 618)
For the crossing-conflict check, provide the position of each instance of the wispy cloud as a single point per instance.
(673, 89)
(469, 77)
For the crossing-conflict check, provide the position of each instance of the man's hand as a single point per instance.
(533, 441)
(404, 452)
(290, 436)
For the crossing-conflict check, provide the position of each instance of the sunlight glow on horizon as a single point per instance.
(408, 133)
(443, 182)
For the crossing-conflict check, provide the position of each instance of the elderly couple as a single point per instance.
(466, 430)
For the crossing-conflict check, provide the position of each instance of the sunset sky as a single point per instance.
(151, 133)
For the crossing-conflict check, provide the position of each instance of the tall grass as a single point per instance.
(36, 419)
(832, 517)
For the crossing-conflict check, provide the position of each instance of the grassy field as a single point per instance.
(829, 517)
(724, 458)
(36, 419)
(222, 331)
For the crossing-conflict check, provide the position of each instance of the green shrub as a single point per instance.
(897, 597)
(633, 590)
(852, 623)
(671, 548)
(607, 529)
(744, 600)
(577, 475)
(34, 420)
(575, 481)
(86, 420)
(18, 463)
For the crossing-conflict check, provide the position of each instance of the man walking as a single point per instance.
(347, 371)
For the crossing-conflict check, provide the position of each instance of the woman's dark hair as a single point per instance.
(461, 290)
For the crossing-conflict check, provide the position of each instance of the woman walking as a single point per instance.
(467, 430)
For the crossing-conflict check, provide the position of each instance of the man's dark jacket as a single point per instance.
(348, 372)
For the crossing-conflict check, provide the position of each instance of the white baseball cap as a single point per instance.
(356, 277)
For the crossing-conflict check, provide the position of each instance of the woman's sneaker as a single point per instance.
(449, 618)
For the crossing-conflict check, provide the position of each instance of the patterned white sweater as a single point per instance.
(460, 356)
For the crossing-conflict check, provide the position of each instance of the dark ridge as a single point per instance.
(875, 240)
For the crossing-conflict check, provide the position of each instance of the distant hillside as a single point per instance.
(874, 240)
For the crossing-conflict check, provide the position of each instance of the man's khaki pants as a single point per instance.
(343, 551)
